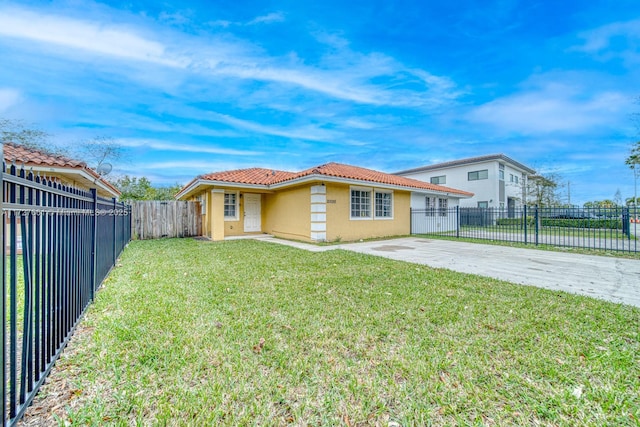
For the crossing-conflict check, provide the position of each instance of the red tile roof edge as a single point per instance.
(19, 154)
(270, 177)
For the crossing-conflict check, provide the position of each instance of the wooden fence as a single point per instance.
(156, 219)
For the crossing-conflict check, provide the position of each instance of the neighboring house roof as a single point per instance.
(273, 179)
(58, 166)
(467, 161)
(253, 176)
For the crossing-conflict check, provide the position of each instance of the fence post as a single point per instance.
(3, 375)
(115, 234)
(537, 227)
(94, 240)
(526, 232)
(410, 221)
(457, 221)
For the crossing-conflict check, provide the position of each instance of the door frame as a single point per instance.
(258, 199)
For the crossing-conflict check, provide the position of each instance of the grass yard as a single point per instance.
(249, 333)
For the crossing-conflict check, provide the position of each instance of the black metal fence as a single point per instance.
(613, 229)
(59, 245)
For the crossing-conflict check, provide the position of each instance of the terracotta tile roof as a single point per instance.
(255, 176)
(21, 155)
(362, 174)
(269, 177)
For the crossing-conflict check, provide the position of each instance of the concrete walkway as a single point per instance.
(607, 278)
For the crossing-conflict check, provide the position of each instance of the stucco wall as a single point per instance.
(485, 190)
(287, 213)
(341, 226)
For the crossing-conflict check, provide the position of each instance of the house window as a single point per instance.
(384, 204)
(439, 179)
(483, 205)
(442, 206)
(430, 206)
(511, 177)
(515, 179)
(360, 203)
(231, 206)
(477, 175)
(501, 172)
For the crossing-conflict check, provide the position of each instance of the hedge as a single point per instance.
(561, 222)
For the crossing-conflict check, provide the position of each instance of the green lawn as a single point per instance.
(250, 333)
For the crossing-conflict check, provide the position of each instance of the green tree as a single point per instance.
(133, 188)
(633, 161)
(542, 190)
(601, 204)
(629, 202)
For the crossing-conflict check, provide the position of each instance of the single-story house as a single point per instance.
(324, 203)
(67, 171)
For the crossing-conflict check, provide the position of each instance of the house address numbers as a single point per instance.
(331, 201)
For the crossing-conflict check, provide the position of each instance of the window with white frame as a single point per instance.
(501, 172)
(360, 203)
(384, 204)
(477, 175)
(430, 206)
(439, 179)
(231, 206)
(442, 206)
(515, 179)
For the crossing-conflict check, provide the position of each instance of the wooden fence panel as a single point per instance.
(154, 219)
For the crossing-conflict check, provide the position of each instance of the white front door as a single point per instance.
(252, 213)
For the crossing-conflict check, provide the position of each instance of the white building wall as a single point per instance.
(421, 223)
(485, 190)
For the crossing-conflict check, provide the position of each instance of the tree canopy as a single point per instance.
(133, 188)
(542, 190)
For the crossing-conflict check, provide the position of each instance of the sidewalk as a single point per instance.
(607, 278)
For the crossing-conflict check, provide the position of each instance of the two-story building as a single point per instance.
(496, 180)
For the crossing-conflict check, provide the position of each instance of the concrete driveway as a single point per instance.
(607, 278)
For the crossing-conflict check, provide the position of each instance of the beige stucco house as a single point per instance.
(325, 203)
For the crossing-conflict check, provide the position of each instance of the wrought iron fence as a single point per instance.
(613, 229)
(60, 244)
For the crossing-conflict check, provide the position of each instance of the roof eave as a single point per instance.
(468, 161)
(352, 181)
(99, 182)
(191, 188)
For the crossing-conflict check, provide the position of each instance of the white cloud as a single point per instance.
(179, 147)
(89, 36)
(268, 19)
(341, 74)
(618, 39)
(8, 98)
(553, 107)
(308, 132)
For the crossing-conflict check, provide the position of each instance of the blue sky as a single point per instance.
(191, 87)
